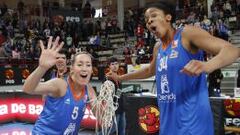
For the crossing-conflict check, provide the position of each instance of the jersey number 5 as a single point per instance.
(75, 113)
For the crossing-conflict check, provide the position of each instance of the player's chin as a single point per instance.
(84, 81)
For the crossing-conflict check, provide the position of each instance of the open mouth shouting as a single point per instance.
(84, 76)
(153, 29)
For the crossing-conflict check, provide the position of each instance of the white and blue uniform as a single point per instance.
(61, 116)
(182, 99)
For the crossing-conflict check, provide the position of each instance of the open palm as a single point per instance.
(49, 55)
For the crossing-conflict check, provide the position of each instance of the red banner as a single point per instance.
(26, 108)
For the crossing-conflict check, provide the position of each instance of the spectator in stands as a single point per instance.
(222, 30)
(16, 54)
(92, 39)
(93, 12)
(92, 52)
(113, 65)
(191, 17)
(20, 8)
(182, 91)
(46, 31)
(61, 70)
(7, 47)
(2, 38)
(127, 54)
(108, 29)
(87, 10)
(214, 80)
(139, 31)
(114, 25)
(227, 9)
(140, 43)
(10, 30)
(206, 23)
(105, 11)
(3, 8)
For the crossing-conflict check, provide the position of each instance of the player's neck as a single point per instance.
(77, 90)
(74, 86)
(166, 40)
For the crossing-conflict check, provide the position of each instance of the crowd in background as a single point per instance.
(19, 34)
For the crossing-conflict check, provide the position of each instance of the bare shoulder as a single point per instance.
(60, 85)
(194, 37)
(61, 82)
(191, 32)
(189, 28)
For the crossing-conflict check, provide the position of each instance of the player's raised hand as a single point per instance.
(49, 55)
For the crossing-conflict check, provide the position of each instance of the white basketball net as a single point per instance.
(105, 107)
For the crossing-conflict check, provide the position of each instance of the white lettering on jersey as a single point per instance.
(70, 129)
(164, 84)
(163, 64)
(75, 113)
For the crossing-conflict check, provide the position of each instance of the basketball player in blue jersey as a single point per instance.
(66, 99)
(181, 72)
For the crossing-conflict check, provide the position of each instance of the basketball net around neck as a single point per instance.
(106, 105)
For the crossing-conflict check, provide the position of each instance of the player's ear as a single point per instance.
(169, 18)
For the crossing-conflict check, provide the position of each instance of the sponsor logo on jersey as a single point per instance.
(174, 54)
(67, 101)
(70, 129)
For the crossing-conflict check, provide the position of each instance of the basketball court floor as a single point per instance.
(25, 129)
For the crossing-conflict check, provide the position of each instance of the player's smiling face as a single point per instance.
(82, 69)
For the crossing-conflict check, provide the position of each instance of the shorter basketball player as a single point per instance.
(66, 99)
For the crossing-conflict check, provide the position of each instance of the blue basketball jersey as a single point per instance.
(61, 116)
(182, 99)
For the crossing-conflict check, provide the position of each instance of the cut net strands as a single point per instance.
(105, 107)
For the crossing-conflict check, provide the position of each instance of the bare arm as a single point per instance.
(145, 72)
(225, 52)
(32, 84)
(47, 59)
